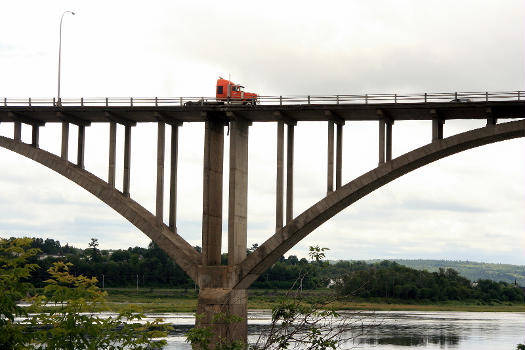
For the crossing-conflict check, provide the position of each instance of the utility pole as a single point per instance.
(60, 53)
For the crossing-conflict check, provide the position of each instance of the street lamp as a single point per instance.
(60, 52)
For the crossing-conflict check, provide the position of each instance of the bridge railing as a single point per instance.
(460, 97)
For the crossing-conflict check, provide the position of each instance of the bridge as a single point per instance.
(223, 287)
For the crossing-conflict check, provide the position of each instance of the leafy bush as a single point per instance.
(67, 314)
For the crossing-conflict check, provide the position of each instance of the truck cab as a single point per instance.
(228, 91)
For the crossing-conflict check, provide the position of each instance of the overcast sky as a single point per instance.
(466, 207)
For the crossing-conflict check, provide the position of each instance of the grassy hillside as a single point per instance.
(469, 269)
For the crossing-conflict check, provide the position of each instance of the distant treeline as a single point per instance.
(388, 279)
(152, 268)
(469, 269)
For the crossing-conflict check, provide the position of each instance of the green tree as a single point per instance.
(66, 317)
(14, 270)
(93, 252)
(74, 324)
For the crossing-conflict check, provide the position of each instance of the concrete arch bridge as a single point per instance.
(223, 288)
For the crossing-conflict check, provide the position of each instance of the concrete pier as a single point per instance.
(173, 177)
(64, 149)
(159, 205)
(289, 173)
(330, 159)
(127, 160)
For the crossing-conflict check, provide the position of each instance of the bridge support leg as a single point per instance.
(18, 132)
(112, 152)
(339, 156)
(330, 171)
(160, 172)
(217, 302)
(81, 145)
(65, 141)
(491, 121)
(173, 177)
(280, 177)
(381, 142)
(238, 192)
(34, 136)
(127, 160)
(437, 129)
(219, 307)
(224, 310)
(212, 193)
(289, 173)
(388, 152)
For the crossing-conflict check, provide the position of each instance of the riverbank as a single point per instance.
(179, 300)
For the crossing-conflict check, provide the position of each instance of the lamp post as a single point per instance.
(60, 52)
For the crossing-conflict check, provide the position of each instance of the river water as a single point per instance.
(397, 329)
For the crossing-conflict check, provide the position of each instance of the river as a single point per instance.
(398, 330)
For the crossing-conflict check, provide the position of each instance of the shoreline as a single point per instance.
(191, 306)
(170, 300)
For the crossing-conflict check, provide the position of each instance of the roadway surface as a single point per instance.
(263, 112)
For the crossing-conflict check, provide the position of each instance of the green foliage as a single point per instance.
(65, 316)
(119, 268)
(14, 269)
(469, 269)
(520, 347)
(391, 280)
(200, 337)
(152, 268)
(93, 252)
(316, 253)
(299, 323)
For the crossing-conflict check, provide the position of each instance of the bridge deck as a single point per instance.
(268, 113)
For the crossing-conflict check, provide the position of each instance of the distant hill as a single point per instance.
(469, 269)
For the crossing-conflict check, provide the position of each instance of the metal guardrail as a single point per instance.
(463, 97)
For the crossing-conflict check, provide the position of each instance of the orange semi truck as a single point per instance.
(234, 93)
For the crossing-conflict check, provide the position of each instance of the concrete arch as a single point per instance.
(270, 251)
(178, 249)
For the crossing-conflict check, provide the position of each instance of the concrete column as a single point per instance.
(127, 160)
(18, 132)
(289, 174)
(160, 172)
(339, 157)
(381, 142)
(217, 297)
(279, 192)
(389, 140)
(65, 141)
(330, 171)
(437, 129)
(238, 192)
(112, 153)
(34, 136)
(173, 177)
(491, 121)
(212, 193)
(81, 146)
